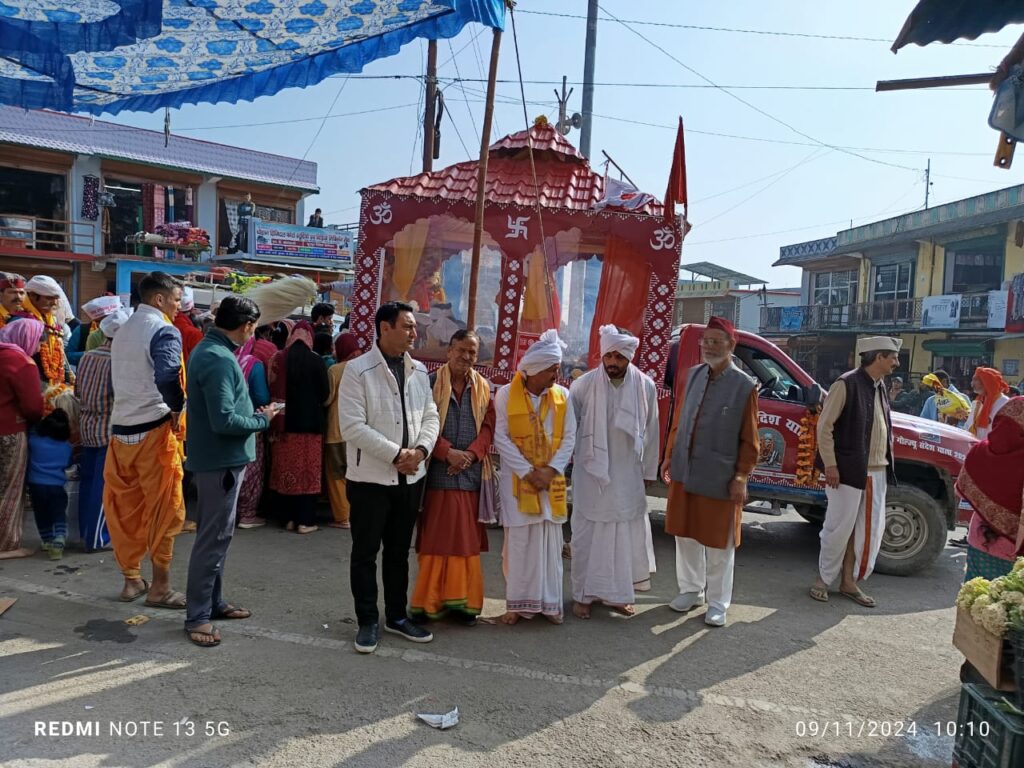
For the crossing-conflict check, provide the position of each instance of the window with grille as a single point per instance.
(833, 288)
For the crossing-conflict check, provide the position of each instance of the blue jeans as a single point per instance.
(50, 504)
(92, 523)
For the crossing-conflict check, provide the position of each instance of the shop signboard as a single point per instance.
(997, 309)
(315, 246)
(792, 319)
(1015, 305)
(940, 311)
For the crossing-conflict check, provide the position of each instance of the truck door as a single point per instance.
(782, 407)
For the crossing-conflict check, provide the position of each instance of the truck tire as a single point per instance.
(915, 531)
(813, 515)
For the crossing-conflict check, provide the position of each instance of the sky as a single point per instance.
(786, 139)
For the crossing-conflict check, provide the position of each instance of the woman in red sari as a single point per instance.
(298, 378)
(992, 480)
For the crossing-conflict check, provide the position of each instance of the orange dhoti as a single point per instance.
(449, 544)
(142, 498)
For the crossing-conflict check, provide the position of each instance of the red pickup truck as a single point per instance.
(920, 507)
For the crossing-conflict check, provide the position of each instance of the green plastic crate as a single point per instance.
(987, 737)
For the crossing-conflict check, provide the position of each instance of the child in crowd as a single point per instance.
(323, 345)
(49, 455)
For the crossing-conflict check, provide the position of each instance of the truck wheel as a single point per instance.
(813, 515)
(915, 531)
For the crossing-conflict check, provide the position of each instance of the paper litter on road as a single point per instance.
(7, 602)
(443, 722)
(134, 621)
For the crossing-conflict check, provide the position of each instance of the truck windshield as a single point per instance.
(775, 380)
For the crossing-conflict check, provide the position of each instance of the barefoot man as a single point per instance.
(616, 408)
(855, 451)
(142, 475)
(534, 433)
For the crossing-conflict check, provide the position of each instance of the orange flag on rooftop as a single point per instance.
(676, 192)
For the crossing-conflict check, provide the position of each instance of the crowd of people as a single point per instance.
(261, 420)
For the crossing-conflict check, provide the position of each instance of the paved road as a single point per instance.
(790, 682)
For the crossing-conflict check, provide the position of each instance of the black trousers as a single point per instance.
(382, 515)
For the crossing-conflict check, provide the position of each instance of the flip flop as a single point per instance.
(214, 633)
(232, 612)
(137, 595)
(174, 601)
(859, 598)
(819, 594)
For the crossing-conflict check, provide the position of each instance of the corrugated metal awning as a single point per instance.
(944, 21)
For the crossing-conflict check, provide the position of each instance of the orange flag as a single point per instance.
(676, 192)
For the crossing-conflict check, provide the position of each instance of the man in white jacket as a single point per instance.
(387, 414)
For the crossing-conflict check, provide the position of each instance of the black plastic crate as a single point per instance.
(987, 737)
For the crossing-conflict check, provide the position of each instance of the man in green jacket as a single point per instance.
(221, 429)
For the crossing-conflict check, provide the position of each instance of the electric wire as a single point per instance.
(767, 32)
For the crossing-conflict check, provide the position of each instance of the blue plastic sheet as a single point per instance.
(114, 55)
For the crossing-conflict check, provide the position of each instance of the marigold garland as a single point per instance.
(807, 449)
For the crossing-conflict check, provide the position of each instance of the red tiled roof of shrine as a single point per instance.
(564, 176)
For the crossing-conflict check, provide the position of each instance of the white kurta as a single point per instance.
(532, 549)
(611, 541)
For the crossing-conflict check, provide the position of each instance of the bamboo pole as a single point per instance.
(429, 113)
(481, 183)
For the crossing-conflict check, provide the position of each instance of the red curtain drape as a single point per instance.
(622, 296)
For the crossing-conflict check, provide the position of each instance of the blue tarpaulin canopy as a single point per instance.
(101, 56)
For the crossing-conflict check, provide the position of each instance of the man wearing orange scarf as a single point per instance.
(535, 433)
(991, 389)
(451, 537)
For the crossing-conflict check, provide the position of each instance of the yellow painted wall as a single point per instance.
(931, 266)
(1012, 349)
(1014, 264)
(920, 358)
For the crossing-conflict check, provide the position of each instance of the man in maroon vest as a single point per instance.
(855, 452)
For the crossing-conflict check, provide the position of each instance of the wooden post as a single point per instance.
(429, 114)
(481, 188)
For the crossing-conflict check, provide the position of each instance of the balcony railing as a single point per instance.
(34, 233)
(893, 315)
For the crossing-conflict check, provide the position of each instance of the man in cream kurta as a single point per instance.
(616, 409)
(532, 554)
(855, 451)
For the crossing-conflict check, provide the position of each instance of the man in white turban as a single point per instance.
(45, 301)
(616, 408)
(535, 432)
(94, 309)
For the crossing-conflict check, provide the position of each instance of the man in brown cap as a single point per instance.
(712, 449)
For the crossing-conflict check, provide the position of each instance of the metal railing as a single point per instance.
(891, 315)
(20, 232)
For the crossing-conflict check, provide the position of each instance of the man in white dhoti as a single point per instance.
(616, 409)
(534, 433)
(855, 452)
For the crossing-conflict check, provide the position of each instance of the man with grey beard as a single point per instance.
(711, 451)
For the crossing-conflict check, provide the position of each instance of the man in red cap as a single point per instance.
(712, 449)
(12, 297)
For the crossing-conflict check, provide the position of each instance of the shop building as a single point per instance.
(75, 194)
(714, 290)
(938, 278)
